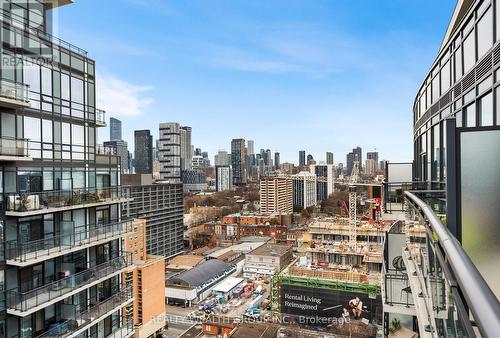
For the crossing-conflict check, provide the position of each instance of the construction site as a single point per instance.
(337, 272)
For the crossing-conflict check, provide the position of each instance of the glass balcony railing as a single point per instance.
(24, 301)
(78, 321)
(450, 284)
(11, 146)
(100, 116)
(14, 91)
(38, 249)
(126, 330)
(432, 192)
(35, 201)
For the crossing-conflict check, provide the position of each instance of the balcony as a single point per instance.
(25, 303)
(37, 203)
(14, 149)
(79, 322)
(125, 331)
(100, 117)
(448, 295)
(23, 254)
(20, 25)
(13, 95)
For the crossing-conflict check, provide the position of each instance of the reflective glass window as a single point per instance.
(485, 33)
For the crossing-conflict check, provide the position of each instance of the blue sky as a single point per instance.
(295, 74)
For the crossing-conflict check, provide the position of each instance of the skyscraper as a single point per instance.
(169, 151)
(350, 158)
(238, 161)
(277, 160)
(329, 157)
(373, 155)
(358, 156)
(115, 129)
(250, 147)
(222, 158)
(186, 155)
(143, 152)
(302, 158)
(121, 149)
(61, 225)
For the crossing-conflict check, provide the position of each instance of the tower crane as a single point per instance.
(352, 216)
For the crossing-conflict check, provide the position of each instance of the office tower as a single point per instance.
(197, 152)
(310, 158)
(276, 159)
(223, 177)
(238, 161)
(222, 158)
(304, 190)
(250, 147)
(358, 156)
(373, 155)
(161, 205)
(276, 194)
(115, 129)
(269, 158)
(329, 157)
(325, 180)
(143, 152)
(370, 167)
(61, 225)
(206, 159)
(456, 158)
(121, 149)
(186, 154)
(169, 152)
(302, 158)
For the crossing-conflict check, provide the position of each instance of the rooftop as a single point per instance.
(200, 274)
(185, 261)
(271, 250)
(228, 284)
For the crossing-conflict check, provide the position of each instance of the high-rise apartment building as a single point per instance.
(250, 147)
(370, 167)
(373, 155)
(143, 152)
(451, 268)
(238, 161)
(302, 158)
(350, 158)
(61, 225)
(276, 194)
(304, 190)
(329, 157)
(169, 151)
(223, 177)
(358, 156)
(115, 129)
(121, 149)
(222, 158)
(186, 154)
(161, 205)
(325, 180)
(276, 159)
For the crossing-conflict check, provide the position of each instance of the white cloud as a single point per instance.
(120, 98)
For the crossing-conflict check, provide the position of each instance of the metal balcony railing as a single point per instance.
(21, 24)
(78, 321)
(11, 146)
(34, 250)
(100, 116)
(451, 284)
(14, 91)
(33, 201)
(24, 301)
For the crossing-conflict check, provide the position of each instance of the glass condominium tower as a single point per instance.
(456, 117)
(61, 229)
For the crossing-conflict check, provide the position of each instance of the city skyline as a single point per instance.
(291, 74)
